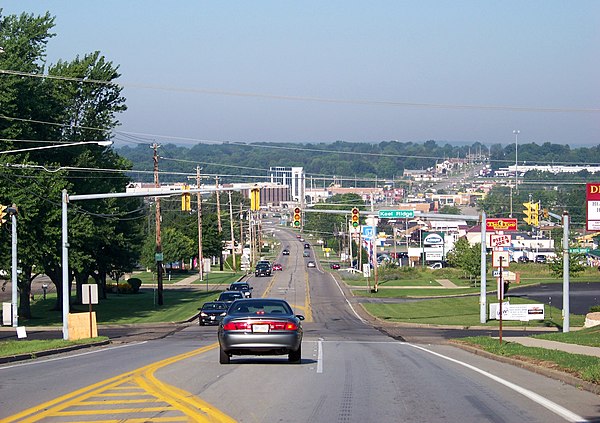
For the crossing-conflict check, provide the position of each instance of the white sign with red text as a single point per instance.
(500, 241)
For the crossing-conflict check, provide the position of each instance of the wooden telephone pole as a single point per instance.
(158, 256)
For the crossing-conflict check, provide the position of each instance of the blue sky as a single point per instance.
(283, 71)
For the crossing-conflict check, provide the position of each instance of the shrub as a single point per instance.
(135, 284)
(595, 309)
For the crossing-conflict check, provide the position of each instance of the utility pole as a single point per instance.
(241, 230)
(199, 200)
(232, 236)
(220, 229)
(158, 256)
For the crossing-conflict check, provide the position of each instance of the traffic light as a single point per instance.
(532, 213)
(297, 217)
(546, 213)
(186, 199)
(2, 214)
(255, 199)
(355, 219)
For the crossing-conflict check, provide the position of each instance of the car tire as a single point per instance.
(200, 322)
(223, 357)
(295, 356)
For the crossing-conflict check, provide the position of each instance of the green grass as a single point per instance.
(458, 311)
(10, 348)
(582, 366)
(179, 305)
(588, 336)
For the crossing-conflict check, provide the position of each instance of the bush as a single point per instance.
(135, 284)
(595, 309)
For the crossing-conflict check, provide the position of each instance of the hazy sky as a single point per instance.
(321, 71)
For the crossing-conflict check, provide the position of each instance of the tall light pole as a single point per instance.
(516, 132)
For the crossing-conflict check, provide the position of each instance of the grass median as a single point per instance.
(12, 347)
(582, 366)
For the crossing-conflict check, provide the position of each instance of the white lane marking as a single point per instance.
(350, 305)
(320, 356)
(544, 402)
(40, 361)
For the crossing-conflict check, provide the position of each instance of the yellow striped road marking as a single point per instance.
(163, 397)
(269, 287)
(308, 313)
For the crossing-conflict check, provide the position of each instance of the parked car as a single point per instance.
(523, 259)
(285, 252)
(311, 264)
(334, 266)
(262, 269)
(212, 312)
(436, 265)
(243, 287)
(540, 258)
(277, 266)
(230, 296)
(260, 326)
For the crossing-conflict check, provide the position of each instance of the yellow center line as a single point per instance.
(269, 287)
(194, 408)
(308, 313)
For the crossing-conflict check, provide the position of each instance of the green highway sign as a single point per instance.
(396, 214)
(579, 250)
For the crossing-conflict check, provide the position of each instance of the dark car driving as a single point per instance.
(230, 296)
(243, 287)
(262, 269)
(212, 312)
(260, 326)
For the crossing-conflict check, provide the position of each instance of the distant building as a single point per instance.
(293, 177)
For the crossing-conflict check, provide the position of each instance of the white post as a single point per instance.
(482, 295)
(15, 306)
(65, 266)
(566, 307)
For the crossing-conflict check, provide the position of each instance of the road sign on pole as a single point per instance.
(396, 214)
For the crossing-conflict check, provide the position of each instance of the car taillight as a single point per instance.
(283, 326)
(236, 326)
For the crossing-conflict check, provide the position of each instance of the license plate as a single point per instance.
(260, 328)
(212, 317)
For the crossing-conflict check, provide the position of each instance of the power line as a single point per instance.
(269, 96)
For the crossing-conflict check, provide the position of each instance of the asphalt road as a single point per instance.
(582, 295)
(350, 372)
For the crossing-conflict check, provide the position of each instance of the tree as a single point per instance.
(466, 257)
(447, 209)
(78, 111)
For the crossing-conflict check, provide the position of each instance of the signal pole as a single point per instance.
(231, 228)
(220, 229)
(158, 256)
(199, 200)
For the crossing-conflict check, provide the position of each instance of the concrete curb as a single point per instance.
(551, 373)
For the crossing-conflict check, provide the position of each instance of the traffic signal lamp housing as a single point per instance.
(3, 211)
(355, 219)
(297, 217)
(255, 199)
(186, 199)
(532, 213)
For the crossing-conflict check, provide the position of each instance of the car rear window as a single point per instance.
(268, 308)
(214, 306)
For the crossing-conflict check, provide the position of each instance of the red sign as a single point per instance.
(501, 224)
(592, 197)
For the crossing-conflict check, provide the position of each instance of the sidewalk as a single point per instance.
(554, 345)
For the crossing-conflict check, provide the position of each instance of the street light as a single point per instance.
(516, 132)
(73, 144)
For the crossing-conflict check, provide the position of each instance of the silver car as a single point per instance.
(260, 326)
